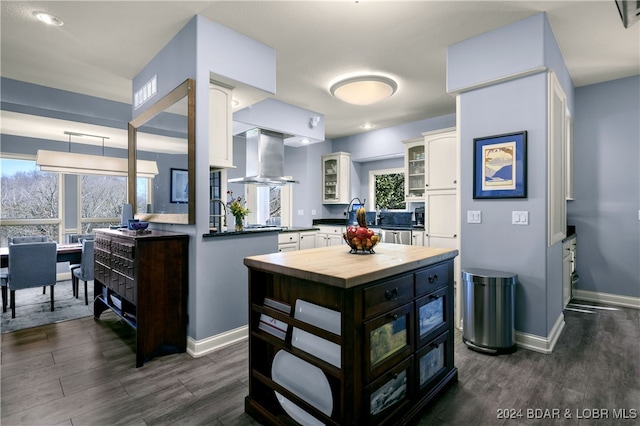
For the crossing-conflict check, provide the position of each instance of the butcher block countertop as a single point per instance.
(337, 267)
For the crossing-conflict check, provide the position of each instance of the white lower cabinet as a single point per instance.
(329, 235)
(308, 240)
(417, 238)
(288, 241)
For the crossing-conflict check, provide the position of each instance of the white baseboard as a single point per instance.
(608, 298)
(540, 344)
(197, 348)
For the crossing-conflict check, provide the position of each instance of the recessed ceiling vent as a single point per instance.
(629, 11)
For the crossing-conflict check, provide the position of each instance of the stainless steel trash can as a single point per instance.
(488, 300)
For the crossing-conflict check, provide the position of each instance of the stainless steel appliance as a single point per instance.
(395, 236)
(419, 215)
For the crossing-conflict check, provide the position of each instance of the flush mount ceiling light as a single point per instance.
(364, 90)
(48, 19)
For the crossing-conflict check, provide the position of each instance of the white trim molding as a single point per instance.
(198, 348)
(540, 344)
(608, 298)
(498, 80)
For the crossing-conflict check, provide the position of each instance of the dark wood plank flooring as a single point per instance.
(82, 372)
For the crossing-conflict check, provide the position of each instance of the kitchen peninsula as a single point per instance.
(341, 338)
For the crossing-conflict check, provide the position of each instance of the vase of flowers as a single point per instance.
(238, 210)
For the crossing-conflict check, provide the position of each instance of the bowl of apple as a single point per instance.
(360, 238)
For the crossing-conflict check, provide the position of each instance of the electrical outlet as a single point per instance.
(300, 212)
(314, 212)
(474, 216)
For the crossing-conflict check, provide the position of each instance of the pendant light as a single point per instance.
(86, 164)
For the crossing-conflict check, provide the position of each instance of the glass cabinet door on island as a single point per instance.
(389, 339)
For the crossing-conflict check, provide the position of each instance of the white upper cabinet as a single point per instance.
(441, 161)
(414, 169)
(220, 127)
(335, 178)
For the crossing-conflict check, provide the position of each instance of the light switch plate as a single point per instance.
(519, 217)
(474, 216)
(300, 212)
(314, 212)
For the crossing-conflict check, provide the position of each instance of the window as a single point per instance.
(386, 189)
(31, 200)
(269, 205)
(216, 200)
(144, 191)
(102, 199)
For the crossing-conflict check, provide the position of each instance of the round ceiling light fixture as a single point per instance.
(364, 90)
(48, 19)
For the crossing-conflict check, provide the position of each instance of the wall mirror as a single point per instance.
(165, 133)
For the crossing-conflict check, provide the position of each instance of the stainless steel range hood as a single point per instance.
(265, 159)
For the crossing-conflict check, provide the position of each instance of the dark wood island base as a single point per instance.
(349, 339)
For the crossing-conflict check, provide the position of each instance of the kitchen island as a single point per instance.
(341, 338)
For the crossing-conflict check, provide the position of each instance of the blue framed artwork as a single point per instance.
(500, 166)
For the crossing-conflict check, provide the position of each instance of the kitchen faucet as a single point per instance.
(224, 207)
(350, 204)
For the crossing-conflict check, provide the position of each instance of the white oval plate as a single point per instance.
(303, 379)
(326, 319)
(297, 413)
(316, 346)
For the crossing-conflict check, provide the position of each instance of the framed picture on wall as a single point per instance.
(500, 166)
(179, 186)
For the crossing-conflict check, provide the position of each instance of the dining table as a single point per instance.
(71, 253)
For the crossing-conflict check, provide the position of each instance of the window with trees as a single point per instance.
(102, 199)
(386, 189)
(31, 200)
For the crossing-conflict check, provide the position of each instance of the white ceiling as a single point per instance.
(104, 44)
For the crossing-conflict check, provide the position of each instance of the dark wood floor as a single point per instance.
(81, 372)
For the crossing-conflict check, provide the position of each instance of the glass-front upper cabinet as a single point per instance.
(414, 165)
(335, 178)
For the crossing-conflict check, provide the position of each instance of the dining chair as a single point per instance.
(3, 275)
(75, 238)
(72, 239)
(28, 239)
(31, 265)
(84, 271)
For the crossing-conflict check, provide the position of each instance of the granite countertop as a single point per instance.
(249, 231)
(343, 222)
(336, 266)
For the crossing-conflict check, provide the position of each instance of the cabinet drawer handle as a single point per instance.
(435, 345)
(434, 297)
(393, 316)
(433, 278)
(391, 294)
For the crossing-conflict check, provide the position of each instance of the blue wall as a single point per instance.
(607, 186)
(500, 91)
